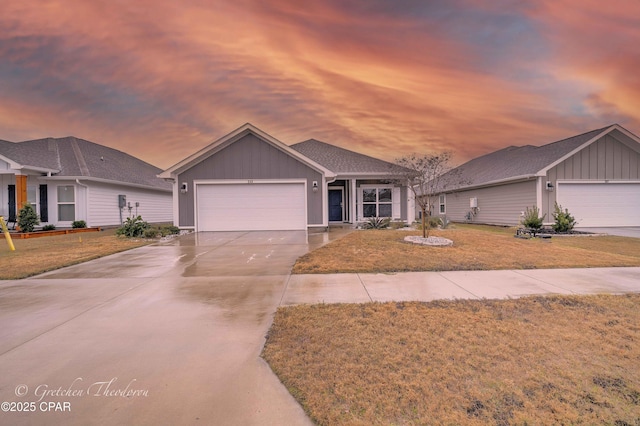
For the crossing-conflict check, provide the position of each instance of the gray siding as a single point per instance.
(250, 158)
(499, 205)
(403, 203)
(609, 158)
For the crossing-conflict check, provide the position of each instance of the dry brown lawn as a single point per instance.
(536, 361)
(37, 255)
(475, 248)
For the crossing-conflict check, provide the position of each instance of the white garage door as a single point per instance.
(251, 207)
(601, 204)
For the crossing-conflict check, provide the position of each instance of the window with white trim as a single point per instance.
(32, 197)
(377, 202)
(66, 203)
(443, 204)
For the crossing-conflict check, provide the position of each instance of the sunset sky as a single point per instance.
(161, 79)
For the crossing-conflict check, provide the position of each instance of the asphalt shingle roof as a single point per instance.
(514, 161)
(75, 157)
(345, 162)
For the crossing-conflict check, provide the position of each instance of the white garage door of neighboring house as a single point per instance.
(601, 204)
(251, 206)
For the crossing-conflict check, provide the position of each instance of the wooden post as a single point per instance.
(21, 191)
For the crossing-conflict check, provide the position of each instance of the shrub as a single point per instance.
(532, 218)
(397, 224)
(133, 227)
(377, 223)
(564, 222)
(169, 230)
(433, 222)
(78, 224)
(430, 222)
(50, 227)
(151, 232)
(27, 218)
(444, 222)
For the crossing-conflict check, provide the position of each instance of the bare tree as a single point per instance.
(430, 175)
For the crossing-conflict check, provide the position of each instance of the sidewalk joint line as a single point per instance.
(543, 281)
(458, 285)
(286, 286)
(364, 286)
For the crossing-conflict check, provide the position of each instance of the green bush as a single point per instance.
(27, 218)
(532, 218)
(377, 223)
(50, 227)
(135, 227)
(397, 224)
(151, 232)
(78, 224)
(430, 222)
(169, 230)
(444, 222)
(564, 222)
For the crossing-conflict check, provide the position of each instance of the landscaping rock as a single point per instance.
(430, 241)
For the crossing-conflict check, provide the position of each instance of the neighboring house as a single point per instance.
(69, 179)
(596, 176)
(248, 180)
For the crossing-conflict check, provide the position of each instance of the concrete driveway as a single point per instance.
(164, 334)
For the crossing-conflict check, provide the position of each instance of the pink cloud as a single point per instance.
(162, 79)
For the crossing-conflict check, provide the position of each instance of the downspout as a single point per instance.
(86, 203)
(539, 200)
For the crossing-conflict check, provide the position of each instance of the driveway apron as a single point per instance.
(165, 334)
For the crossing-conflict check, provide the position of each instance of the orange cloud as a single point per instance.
(162, 79)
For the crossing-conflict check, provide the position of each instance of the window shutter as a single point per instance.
(395, 199)
(12, 203)
(44, 207)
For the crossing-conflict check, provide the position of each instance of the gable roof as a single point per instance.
(232, 137)
(72, 157)
(515, 163)
(344, 162)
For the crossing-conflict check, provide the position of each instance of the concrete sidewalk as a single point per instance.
(427, 286)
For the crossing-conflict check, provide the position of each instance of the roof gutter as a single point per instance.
(493, 183)
(115, 182)
(22, 169)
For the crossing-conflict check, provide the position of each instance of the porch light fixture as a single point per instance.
(184, 188)
(549, 186)
(315, 186)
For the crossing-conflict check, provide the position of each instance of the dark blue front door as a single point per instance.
(335, 206)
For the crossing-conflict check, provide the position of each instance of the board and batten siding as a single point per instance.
(103, 210)
(609, 158)
(500, 205)
(250, 158)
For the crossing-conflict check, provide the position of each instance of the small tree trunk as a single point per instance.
(424, 227)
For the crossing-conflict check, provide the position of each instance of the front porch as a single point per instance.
(354, 200)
